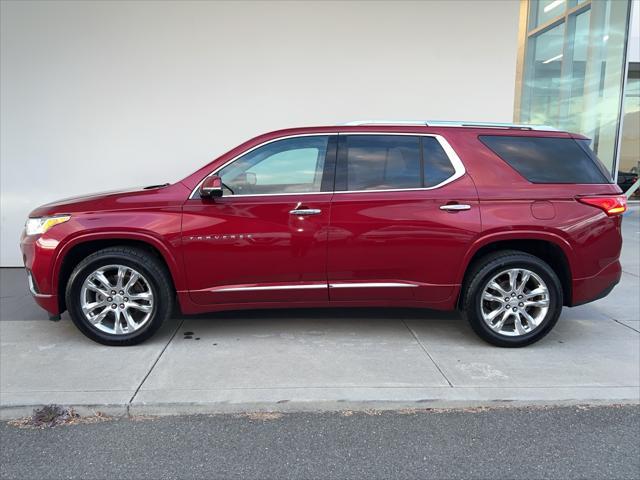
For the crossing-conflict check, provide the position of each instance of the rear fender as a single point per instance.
(517, 235)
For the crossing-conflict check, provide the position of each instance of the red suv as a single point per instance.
(507, 223)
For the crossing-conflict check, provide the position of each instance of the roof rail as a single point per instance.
(439, 123)
(421, 123)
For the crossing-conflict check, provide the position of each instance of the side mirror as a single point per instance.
(211, 187)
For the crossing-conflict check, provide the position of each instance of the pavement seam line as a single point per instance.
(424, 349)
(624, 325)
(618, 321)
(154, 364)
(630, 273)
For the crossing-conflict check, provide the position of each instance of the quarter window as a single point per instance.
(292, 165)
(437, 166)
(548, 159)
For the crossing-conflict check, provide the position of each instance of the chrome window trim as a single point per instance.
(458, 166)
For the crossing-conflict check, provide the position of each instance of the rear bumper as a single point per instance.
(593, 288)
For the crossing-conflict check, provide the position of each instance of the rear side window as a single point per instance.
(388, 162)
(382, 162)
(548, 160)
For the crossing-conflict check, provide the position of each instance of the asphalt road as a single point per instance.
(513, 443)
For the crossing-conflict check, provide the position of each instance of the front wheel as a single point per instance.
(513, 299)
(119, 296)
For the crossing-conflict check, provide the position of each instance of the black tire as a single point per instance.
(154, 272)
(484, 270)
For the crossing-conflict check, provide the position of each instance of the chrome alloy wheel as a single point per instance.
(116, 299)
(514, 302)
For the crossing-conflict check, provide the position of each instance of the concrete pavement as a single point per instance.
(320, 359)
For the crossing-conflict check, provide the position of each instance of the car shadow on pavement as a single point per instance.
(327, 312)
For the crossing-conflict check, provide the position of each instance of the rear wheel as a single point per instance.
(513, 299)
(119, 296)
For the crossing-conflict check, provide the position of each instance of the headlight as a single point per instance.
(37, 226)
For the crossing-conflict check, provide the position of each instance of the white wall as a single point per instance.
(101, 95)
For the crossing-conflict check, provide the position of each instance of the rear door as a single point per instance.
(403, 215)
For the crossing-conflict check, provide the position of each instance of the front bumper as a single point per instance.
(47, 301)
(38, 255)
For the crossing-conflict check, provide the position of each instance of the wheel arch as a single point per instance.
(552, 249)
(80, 247)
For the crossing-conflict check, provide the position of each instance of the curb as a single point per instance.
(222, 408)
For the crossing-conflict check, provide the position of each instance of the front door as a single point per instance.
(402, 217)
(265, 239)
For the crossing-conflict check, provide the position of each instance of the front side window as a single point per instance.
(382, 162)
(291, 165)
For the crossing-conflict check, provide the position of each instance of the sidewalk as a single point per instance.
(320, 359)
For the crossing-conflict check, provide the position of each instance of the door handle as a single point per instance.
(305, 211)
(456, 207)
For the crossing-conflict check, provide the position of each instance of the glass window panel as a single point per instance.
(542, 77)
(573, 103)
(629, 169)
(382, 162)
(573, 73)
(291, 165)
(437, 166)
(541, 11)
(604, 74)
(548, 160)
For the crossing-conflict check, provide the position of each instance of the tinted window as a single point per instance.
(437, 167)
(382, 162)
(292, 165)
(587, 147)
(548, 160)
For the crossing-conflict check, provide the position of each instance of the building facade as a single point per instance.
(578, 70)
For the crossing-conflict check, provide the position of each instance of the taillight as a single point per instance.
(611, 205)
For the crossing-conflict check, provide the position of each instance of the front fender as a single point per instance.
(167, 251)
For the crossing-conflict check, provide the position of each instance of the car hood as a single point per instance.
(138, 197)
(88, 197)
